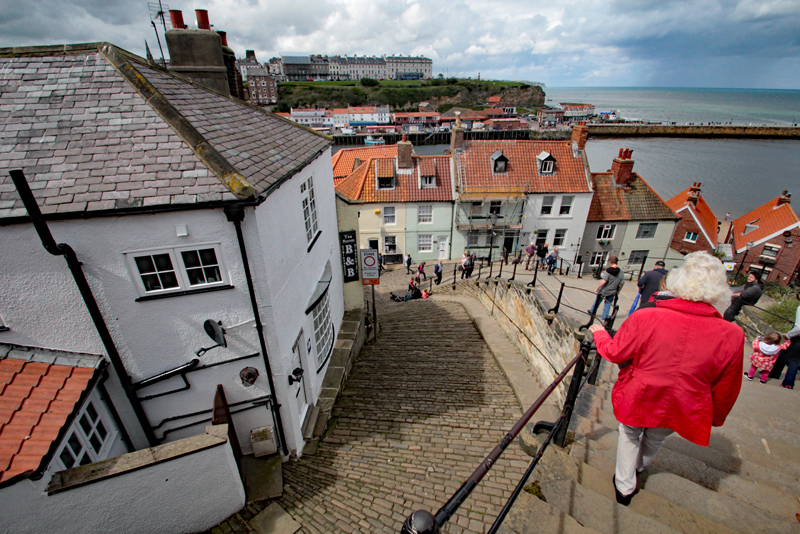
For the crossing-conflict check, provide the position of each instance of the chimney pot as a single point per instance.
(622, 167)
(176, 16)
(224, 37)
(580, 134)
(785, 197)
(404, 152)
(202, 19)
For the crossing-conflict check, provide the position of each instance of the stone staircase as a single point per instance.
(745, 482)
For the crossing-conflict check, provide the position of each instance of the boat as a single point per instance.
(374, 140)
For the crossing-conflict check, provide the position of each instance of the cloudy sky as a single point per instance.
(564, 43)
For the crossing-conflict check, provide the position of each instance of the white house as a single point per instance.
(190, 213)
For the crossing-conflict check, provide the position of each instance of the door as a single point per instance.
(442, 247)
(508, 245)
(297, 379)
(373, 244)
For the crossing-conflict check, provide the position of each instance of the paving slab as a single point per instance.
(274, 520)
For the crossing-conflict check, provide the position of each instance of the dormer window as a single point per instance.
(384, 173)
(749, 227)
(546, 163)
(499, 162)
(428, 181)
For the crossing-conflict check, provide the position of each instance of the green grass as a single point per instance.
(787, 309)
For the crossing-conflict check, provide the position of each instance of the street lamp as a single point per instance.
(748, 247)
(493, 217)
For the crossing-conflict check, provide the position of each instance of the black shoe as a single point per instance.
(624, 500)
(747, 376)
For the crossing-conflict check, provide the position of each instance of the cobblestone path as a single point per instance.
(420, 410)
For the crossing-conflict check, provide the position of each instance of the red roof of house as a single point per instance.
(36, 401)
(340, 111)
(701, 212)
(363, 109)
(344, 160)
(476, 173)
(634, 202)
(361, 184)
(417, 114)
(765, 222)
(492, 111)
(494, 99)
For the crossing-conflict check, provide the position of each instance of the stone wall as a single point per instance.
(553, 344)
(625, 130)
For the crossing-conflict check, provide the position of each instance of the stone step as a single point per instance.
(671, 517)
(531, 515)
(706, 466)
(766, 498)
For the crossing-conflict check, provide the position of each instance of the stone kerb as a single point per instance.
(554, 345)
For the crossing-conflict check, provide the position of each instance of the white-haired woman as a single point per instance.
(684, 368)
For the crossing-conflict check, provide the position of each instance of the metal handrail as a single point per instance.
(423, 522)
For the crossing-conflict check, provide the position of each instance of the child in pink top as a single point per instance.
(765, 353)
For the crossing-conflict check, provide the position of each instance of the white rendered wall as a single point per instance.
(187, 494)
(574, 223)
(286, 275)
(42, 307)
(657, 246)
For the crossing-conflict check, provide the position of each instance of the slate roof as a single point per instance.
(361, 184)
(96, 128)
(771, 218)
(344, 160)
(634, 202)
(40, 391)
(476, 176)
(701, 211)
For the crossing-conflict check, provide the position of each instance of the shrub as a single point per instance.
(369, 82)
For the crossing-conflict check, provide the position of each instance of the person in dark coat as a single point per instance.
(437, 270)
(791, 356)
(649, 283)
(541, 253)
(747, 294)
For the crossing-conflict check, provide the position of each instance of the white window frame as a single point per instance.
(472, 240)
(323, 329)
(386, 239)
(495, 207)
(425, 218)
(309, 204)
(645, 226)
(389, 211)
(176, 258)
(774, 249)
(691, 237)
(636, 257)
(547, 204)
(77, 432)
(421, 246)
(558, 241)
(598, 258)
(428, 182)
(605, 232)
(566, 203)
(548, 167)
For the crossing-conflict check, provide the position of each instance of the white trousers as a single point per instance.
(636, 448)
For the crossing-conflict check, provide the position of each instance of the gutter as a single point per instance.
(235, 214)
(62, 249)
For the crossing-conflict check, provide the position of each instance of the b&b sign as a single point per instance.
(349, 256)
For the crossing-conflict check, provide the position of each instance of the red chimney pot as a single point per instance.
(224, 37)
(202, 19)
(176, 17)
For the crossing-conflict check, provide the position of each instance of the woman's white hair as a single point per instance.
(701, 278)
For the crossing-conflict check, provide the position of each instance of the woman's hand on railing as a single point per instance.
(595, 328)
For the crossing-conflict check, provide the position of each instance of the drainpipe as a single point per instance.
(62, 249)
(235, 214)
(106, 398)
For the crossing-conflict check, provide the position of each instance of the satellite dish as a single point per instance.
(216, 332)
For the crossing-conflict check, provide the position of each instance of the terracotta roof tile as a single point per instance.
(701, 211)
(634, 202)
(362, 185)
(6, 377)
(30, 419)
(344, 160)
(767, 219)
(476, 174)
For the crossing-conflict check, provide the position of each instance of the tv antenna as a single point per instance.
(157, 12)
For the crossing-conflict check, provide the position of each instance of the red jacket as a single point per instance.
(685, 371)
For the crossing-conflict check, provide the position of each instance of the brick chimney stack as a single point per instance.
(694, 193)
(785, 197)
(198, 54)
(457, 135)
(404, 151)
(622, 168)
(580, 133)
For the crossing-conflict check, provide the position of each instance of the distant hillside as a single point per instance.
(406, 95)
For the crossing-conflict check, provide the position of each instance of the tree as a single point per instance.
(369, 82)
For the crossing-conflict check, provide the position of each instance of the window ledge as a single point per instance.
(183, 293)
(313, 241)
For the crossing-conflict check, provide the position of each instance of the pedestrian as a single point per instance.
(408, 264)
(541, 253)
(504, 256)
(661, 294)
(421, 270)
(765, 353)
(381, 268)
(791, 356)
(413, 289)
(612, 281)
(530, 252)
(438, 269)
(471, 264)
(685, 387)
(747, 294)
(649, 282)
(552, 260)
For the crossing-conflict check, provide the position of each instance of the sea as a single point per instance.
(737, 175)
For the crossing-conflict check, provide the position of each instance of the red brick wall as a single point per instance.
(788, 261)
(688, 224)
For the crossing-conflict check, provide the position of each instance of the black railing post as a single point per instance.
(535, 274)
(514, 272)
(491, 266)
(500, 275)
(558, 300)
(641, 269)
(579, 262)
(592, 378)
(560, 438)
(480, 268)
(455, 272)
(560, 266)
